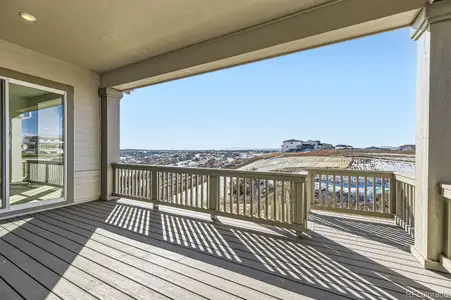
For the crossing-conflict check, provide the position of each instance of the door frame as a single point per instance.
(5, 145)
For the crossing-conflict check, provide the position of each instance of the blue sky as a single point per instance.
(360, 92)
(47, 122)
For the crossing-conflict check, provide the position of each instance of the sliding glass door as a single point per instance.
(33, 145)
(3, 140)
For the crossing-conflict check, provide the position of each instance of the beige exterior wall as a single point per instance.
(433, 132)
(86, 106)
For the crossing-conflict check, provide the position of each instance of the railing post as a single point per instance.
(113, 166)
(399, 202)
(154, 188)
(447, 249)
(296, 207)
(46, 173)
(213, 197)
(310, 190)
(393, 196)
(28, 177)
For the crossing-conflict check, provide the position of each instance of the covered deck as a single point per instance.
(124, 249)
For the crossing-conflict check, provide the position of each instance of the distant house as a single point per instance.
(407, 147)
(299, 146)
(342, 147)
(305, 147)
(291, 145)
(324, 146)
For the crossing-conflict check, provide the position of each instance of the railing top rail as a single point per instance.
(446, 190)
(216, 172)
(405, 177)
(44, 162)
(333, 171)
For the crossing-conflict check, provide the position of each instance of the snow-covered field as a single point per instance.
(404, 164)
(296, 164)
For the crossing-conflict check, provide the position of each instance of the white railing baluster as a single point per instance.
(382, 203)
(349, 192)
(357, 193)
(202, 190)
(334, 196)
(327, 190)
(365, 191)
(283, 201)
(245, 196)
(252, 197)
(224, 198)
(274, 206)
(341, 190)
(320, 190)
(259, 208)
(266, 199)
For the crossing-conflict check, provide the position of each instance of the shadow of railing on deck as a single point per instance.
(318, 268)
(325, 268)
(385, 233)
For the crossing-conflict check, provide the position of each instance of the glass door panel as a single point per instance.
(36, 144)
(3, 96)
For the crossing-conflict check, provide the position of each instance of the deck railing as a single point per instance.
(44, 172)
(405, 202)
(261, 197)
(363, 192)
(445, 259)
(280, 199)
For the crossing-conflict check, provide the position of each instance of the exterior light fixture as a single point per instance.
(27, 17)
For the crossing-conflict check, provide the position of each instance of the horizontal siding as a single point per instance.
(87, 185)
(86, 110)
(92, 138)
(85, 129)
(89, 115)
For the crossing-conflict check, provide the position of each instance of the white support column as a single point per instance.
(110, 138)
(433, 132)
(16, 150)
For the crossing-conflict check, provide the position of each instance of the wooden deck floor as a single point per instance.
(33, 192)
(126, 250)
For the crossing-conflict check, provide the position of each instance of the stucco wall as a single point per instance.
(86, 110)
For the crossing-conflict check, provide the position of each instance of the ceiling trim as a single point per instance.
(438, 11)
(330, 17)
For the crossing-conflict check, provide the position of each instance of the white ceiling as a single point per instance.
(102, 35)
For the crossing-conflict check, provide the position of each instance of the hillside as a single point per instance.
(396, 161)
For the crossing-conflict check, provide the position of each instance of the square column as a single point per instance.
(15, 157)
(110, 138)
(433, 132)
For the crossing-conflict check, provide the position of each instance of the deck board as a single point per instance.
(68, 272)
(261, 263)
(64, 288)
(157, 263)
(24, 284)
(89, 222)
(125, 250)
(7, 292)
(313, 271)
(108, 271)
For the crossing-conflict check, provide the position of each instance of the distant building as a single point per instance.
(342, 147)
(290, 145)
(324, 146)
(305, 147)
(36, 145)
(407, 148)
(300, 146)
